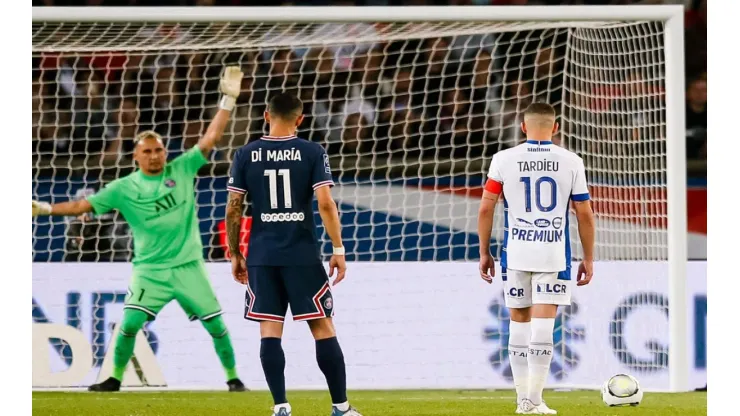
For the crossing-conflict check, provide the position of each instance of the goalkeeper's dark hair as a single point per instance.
(540, 109)
(285, 106)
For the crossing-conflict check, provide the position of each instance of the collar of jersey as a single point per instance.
(277, 138)
(150, 177)
(538, 142)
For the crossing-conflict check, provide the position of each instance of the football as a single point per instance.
(621, 390)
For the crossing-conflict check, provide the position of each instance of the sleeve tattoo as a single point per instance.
(234, 209)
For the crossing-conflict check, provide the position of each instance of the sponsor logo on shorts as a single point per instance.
(328, 303)
(516, 292)
(555, 288)
(283, 217)
(170, 183)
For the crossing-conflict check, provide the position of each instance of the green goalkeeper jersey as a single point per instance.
(160, 211)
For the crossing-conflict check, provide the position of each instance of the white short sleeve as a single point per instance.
(580, 187)
(494, 171)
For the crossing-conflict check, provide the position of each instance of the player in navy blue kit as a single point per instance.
(280, 173)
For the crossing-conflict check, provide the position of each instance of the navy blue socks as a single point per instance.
(273, 364)
(331, 362)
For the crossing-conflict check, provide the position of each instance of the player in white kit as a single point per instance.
(537, 181)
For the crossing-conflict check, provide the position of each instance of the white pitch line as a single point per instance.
(378, 398)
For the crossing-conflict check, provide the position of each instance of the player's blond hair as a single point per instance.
(540, 115)
(148, 134)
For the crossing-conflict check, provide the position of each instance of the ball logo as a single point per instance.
(542, 223)
(170, 183)
(565, 359)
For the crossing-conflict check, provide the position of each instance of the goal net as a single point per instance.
(410, 115)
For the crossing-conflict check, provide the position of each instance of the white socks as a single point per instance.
(519, 334)
(343, 407)
(539, 357)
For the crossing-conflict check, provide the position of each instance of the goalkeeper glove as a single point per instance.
(230, 86)
(40, 208)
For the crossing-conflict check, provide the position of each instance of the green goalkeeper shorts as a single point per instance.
(151, 290)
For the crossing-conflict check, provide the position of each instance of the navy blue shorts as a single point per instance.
(271, 289)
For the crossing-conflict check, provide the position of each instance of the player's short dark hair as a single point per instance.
(148, 134)
(285, 105)
(540, 109)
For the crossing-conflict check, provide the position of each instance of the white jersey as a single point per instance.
(539, 179)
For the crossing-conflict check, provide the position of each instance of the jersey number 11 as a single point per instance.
(272, 175)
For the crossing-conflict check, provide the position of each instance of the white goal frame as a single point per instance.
(671, 15)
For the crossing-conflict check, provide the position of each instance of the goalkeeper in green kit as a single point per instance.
(158, 202)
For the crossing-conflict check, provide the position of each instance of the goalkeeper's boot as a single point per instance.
(236, 385)
(110, 384)
(349, 412)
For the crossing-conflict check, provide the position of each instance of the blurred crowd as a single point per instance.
(434, 99)
(445, 98)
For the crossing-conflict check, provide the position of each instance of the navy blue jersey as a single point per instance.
(279, 176)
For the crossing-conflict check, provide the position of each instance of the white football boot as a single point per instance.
(281, 411)
(349, 412)
(526, 407)
(544, 410)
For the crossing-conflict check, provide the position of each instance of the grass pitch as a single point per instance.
(370, 403)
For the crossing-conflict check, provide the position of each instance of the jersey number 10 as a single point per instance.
(538, 193)
(272, 175)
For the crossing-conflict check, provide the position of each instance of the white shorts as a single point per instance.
(524, 289)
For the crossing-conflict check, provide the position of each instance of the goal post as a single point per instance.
(659, 60)
(304, 14)
(676, 187)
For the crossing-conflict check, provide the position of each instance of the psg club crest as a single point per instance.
(169, 183)
(328, 303)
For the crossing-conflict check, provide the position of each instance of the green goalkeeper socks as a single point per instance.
(231, 374)
(133, 321)
(222, 344)
(118, 372)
